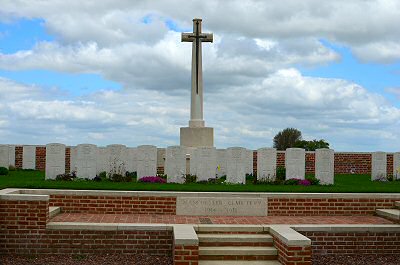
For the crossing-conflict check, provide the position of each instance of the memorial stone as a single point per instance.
(101, 160)
(396, 165)
(55, 160)
(11, 155)
(324, 166)
(132, 159)
(295, 163)
(29, 157)
(236, 165)
(175, 164)
(4, 157)
(117, 159)
(86, 161)
(147, 161)
(205, 163)
(73, 158)
(221, 162)
(266, 164)
(378, 170)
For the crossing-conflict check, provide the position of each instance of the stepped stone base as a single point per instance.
(197, 137)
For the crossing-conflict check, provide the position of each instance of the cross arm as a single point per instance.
(187, 37)
(206, 37)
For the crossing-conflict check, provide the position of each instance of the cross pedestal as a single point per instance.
(197, 134)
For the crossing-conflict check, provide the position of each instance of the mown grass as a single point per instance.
(343, 183)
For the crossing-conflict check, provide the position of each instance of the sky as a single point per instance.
(116, 72)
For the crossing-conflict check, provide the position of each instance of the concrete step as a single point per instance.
(397, 204)
(235, 239)
(393, 214)
(53, 211)
(237, 251)
(239, 262)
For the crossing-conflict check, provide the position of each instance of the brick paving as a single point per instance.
(178, 219)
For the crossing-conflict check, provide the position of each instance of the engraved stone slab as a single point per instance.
(295, 163)
(236, 165)
(132, 159)
(55, 160)
(266, 164)
(190, 152)
(73, 158)
(175, 164)
(324, 166)
(86, 161)
(221, 162)
(4, 157)
(117, 159)
(231, 206)
(161, 156)
(205, 162)
(101, 160)
(396, 165)
(11, 155)
(378, 170)
(147, 161)
(29, 157)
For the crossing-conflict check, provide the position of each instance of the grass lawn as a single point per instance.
(343, 183)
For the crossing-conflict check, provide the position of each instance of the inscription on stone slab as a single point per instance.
(378, 169)
(29, 157)
(221, 206)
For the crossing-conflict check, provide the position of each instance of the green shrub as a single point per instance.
(120, 178)
(190, 178)
(313, 180)
(65, 177)
(291, 182)
(103, 175)
(132, 175)
(3, 171)
(280, 174)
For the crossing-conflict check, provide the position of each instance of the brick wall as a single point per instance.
(113, 205)
(41, 158)
(310, 163)
(357, 163)
(186, 255)
(18, 156)
(346, 243)
(292, 255)
(389, 164)
(23, 231)
(326, 206)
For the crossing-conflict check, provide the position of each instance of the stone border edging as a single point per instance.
(107, 226)
(206, 194)
(185, 235)
(289, 236)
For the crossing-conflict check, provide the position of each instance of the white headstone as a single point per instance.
(11, 155)
(175, 164)
(324, 166)
(73, 158)
(266, 164)
(117, 159)
(132, 159)
(192, 165)
(221, 162)
(55, 160)
(295, 163)
(396, 165)
(378, 170)
(205, 163)
(101, 160)
(29, 157)
(86, 161)
(236, 165)
(146, 161)
(4, 157)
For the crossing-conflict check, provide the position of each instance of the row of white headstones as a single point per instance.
(88, 160)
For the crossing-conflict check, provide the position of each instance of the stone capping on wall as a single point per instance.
(289, 236)
(185, 235)
(107, 226)
(287, 195)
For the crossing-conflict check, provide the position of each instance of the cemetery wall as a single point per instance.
(292, 255)
(114, 204)
(354, 243)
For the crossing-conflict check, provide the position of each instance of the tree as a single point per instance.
(287, 138)
(312, 145)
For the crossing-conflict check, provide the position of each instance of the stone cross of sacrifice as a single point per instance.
(196, 106)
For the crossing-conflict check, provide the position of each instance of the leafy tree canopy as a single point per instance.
(312, 145)
(286, 138)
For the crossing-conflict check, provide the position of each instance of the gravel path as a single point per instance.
(356, 260)
(157, 260)
(86, 260)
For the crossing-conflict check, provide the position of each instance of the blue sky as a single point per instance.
(122, 75)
